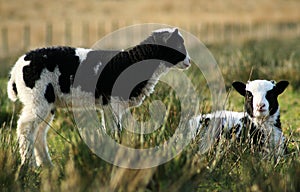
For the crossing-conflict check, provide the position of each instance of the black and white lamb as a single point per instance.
(260, 122)
(43, 80)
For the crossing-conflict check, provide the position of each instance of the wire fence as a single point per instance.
(16, 38)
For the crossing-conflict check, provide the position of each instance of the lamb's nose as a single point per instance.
(261, 106)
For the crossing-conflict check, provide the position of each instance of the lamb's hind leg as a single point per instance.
(42, 156)
(26, 131)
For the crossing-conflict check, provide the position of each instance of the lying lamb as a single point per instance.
(260, 121)
(43, 80)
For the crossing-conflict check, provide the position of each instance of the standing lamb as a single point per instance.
(260, 121)
(44, 79)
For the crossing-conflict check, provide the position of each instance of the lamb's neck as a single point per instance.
(157, 66)
(149, 40)
(136, 56)
(145, 52)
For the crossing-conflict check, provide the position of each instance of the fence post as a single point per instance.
(68, 33)
(26, 37)
(100, 30)
(4, 37)
(85, 34)
(49, 33)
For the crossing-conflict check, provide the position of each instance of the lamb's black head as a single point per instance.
(173, 41)
(261, 97)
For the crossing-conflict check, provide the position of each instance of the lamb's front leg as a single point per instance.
(102, 119)
(113, 119)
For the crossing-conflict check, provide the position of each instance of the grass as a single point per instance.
(230, 167)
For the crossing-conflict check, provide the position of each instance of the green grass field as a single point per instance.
(231, 167)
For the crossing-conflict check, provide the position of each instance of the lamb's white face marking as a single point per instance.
(259, 89)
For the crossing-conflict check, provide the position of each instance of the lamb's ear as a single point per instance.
(281, 86)
(240, 87)
(175, 33)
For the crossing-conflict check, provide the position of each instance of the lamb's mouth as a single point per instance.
(261, 110)
(182, 65)
(261, 113)
(186, 63)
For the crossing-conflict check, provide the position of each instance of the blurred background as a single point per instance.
(35, 23)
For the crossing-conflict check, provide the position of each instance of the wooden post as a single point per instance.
(49, 34)
(26, 37)
(68, 33)
(85, 34)
(100, 30)
(4, 37)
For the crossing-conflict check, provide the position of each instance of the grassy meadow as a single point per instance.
(229, 167)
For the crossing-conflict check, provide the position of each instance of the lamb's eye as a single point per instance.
(249, 96)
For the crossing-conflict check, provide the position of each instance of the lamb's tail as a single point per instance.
(12, 91)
